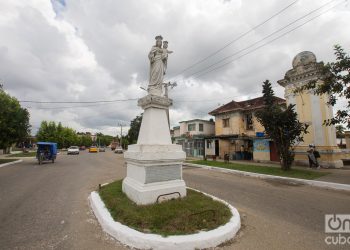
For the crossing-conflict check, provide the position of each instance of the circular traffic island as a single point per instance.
(193, 222)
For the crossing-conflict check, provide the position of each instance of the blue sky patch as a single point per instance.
(58, 5)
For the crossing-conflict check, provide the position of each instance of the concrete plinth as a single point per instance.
(150, 193)
(154, 165)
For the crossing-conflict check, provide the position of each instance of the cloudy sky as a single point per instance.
(96, 50)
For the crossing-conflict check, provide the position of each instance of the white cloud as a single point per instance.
(97, 50)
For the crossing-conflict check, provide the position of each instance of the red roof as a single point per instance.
(252, 104)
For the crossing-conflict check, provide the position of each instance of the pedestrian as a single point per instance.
(242, 152)
(317, 155)
(227, 158)
(311, 156)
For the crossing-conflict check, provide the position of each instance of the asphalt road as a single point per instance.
(46, 206)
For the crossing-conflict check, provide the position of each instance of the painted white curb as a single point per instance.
(321, 184)
(140, 240)
(10, 163)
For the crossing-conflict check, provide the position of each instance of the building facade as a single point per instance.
(239, 134)
(191, 135)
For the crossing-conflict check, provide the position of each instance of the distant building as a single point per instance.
(239, 134)
(191, 134)
(176, 133)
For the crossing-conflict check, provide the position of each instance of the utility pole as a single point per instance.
(166, 86)
(121, 133)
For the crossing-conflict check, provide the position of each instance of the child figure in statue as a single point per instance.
(165, 54)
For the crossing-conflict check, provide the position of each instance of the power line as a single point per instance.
(75, 106)
(264, 38)
(270, 41)
(68, 107)
(175, 101)
(236, 39)
(222, 98)
(67, 102)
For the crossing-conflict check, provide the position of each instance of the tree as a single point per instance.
(336, 84)
(47, 132)
(134, 130)
(125, 142)
(282, 126)
(340, 133)
(14, 121)
(85, 140)
(64, 136)
(104, 140)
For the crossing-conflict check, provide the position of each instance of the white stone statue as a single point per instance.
(158, 57)
(154, 164)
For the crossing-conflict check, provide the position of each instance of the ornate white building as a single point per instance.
(312, 109)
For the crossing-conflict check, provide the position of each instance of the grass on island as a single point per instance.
(191, 214)
(28, 154)
(2, 161)
(293, 173)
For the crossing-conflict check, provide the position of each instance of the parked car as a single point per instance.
(118, 150)
(73, 150)
(101, 149)
(93, 149)
(82, 148)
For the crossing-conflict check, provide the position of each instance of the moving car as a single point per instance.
(47, 151)
(93, 149)
(113, 146)
(101, 149)
(73, 150)
(118, 150)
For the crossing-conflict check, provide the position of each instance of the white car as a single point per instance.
(118, 150)
(73, 150)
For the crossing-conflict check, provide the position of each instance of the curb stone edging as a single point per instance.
(10, 163)
(320, 184)
(140, 240)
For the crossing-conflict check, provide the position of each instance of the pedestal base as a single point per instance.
(143, 194)
(154, 165)
(154, 173)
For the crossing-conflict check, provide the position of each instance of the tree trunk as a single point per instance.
(286, 159)
(7, 150)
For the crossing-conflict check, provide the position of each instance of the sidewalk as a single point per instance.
(341, 176)
(10, 163)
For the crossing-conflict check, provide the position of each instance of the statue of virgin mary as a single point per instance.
(157, 59)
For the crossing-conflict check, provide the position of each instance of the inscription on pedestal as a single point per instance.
(162, 173)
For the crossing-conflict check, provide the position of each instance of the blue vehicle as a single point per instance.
(47, 151)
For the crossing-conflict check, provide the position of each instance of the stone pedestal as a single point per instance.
(154, 164)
